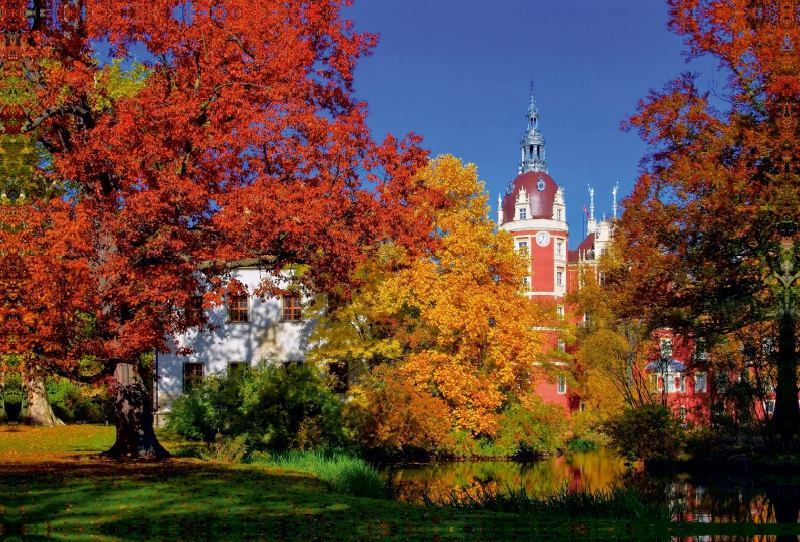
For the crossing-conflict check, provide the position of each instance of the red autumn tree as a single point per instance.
(237, 137)
(711, 228)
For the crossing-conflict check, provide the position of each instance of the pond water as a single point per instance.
(730, 496)
(594, 470)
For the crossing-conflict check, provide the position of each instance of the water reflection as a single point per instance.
(593, 470)
(721, 497)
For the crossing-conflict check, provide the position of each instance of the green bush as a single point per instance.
(538, 429)
(581, 445)
(79, 402)
(270, 406)
(225, 450)
(648, 433)
(342, 471)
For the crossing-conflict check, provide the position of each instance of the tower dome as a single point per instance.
(540, 190)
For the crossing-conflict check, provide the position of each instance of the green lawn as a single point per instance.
(54, 487)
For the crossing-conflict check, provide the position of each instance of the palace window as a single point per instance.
(700, 383)
(561, 345)
(523, 246)
(666, 348)
(560, 311)
(559, 278)
(193, 374)
(194, 307)
(558, 214)
(292, 308)
(522, 214)
(559, 249)
(562, 384)
(238, 309)
(675, 383)
(700, 350)
(525, 286)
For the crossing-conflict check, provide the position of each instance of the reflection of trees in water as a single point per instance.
(752, 499)
(719, 498)
(593, 470)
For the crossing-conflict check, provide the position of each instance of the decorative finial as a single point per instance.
(591, 201)
(614, 207)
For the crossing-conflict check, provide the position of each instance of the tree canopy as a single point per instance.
(711, 227)
(131, 185)
(446, 335)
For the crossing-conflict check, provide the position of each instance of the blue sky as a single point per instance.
(458, 72)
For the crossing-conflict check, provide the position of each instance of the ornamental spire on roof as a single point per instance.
(532, 143)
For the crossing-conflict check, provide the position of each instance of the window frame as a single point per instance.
(295, 311)
(194, 309)
(238, 310)
(561, 384)
(665, 347)
(191, 378)
(700, 377)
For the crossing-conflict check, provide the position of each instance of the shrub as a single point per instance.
(534, 429)
(649, 433)
(79, 402)
(269, 406)
(225, 450)
(342, 471)
(394, 415)
(581, 445)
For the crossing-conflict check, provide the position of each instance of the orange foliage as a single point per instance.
(394, 413)
(454, 322)
(238, 139)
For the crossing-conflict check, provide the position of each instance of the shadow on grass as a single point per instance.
(193, 500)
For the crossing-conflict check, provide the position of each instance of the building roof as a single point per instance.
(582, 250)
(541, 201)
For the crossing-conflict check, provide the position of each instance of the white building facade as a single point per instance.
(247, 329)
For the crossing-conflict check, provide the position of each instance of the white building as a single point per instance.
(247, 329)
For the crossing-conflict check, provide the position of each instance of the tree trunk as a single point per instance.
(786, 418)
(136, 437)
(39, 411)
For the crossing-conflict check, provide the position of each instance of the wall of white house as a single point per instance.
(264, 336)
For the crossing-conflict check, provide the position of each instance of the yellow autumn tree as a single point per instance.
(452, 325)
(612, 350)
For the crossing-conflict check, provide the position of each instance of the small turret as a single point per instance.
(532, 143)
(499, 209)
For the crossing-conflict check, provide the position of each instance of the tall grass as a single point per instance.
(342, 471)
(612, 503)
